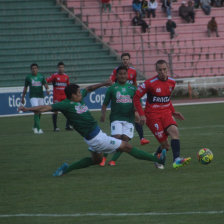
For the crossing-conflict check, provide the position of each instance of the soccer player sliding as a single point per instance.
(159, 112)
(75, 110)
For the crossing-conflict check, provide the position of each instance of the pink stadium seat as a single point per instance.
(193, 53)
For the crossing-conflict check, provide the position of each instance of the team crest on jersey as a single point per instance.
(123, 98)
(58, 79)
(36, 83)
(158, 90)
(131, 76)
(81, 109)
(123, 90)
(170, 88)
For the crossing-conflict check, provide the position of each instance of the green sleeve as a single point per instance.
(27, 82)
(61, 106)
(107, 97)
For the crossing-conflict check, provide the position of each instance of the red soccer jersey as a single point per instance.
(132, 75)
(158, 95)
(59, 81)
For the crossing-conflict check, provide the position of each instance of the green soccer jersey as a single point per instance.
(78, 115)
(35, 84)
(121, 97)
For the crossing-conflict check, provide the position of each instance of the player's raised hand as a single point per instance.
(178, 116)
(142, 120)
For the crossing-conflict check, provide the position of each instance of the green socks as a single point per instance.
(139, 154)
(83, 163)
(37, 121)
(116, 156)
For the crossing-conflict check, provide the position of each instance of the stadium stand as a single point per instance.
(191, 54)
(40, 31)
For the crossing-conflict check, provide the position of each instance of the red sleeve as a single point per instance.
(141, 91)
(113, 75)
(50, 79)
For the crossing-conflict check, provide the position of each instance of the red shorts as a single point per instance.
(158, 124)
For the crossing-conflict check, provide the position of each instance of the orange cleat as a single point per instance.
(144, 141)
(112, 163)
(103, 162)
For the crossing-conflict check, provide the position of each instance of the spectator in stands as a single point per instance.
(153, 4)
(137, 6)
(183, 12)
(212, 27)
(191, 12)
(206, 7)
(217, 3)
(106, 5)
(145, 8)
(170, 27)
(167, 6)
(138, 21)
(196, 3)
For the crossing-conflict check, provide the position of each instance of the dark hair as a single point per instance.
(60, 63)
(160, 62)
(125, 54)
(71, 89)
(34, 64)
(121, 67)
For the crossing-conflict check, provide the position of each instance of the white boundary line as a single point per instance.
(113, 214)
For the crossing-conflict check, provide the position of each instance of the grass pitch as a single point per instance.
(99, 195)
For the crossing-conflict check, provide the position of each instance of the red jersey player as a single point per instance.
(59, 80)
(159, 112)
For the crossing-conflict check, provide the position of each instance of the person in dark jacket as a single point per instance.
(138, 21)
(170, 27)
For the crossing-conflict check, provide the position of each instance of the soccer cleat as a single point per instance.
(57, 129)
(40, 131)
(162, 157)
(35, 131)
(144, 141)
(69, 128)
(61, 170)
(179, 162)
(159, 166)
(103, 162)
(112, 163)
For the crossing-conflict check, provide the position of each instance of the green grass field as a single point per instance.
(27, 186)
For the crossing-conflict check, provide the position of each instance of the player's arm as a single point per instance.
(24, 94)
(105, 104)
(47, 88)
(103, 113)
(176, 114)
(43, 108)
(96, 86)
(137, 102)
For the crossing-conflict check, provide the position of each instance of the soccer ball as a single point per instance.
(205, 156)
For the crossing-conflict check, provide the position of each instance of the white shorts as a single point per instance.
(36, 101)
(122, 128)
(103, 143)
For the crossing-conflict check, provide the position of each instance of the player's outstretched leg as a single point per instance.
(177, 160)
(139, 129)
(83, 163)
(139, 154)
